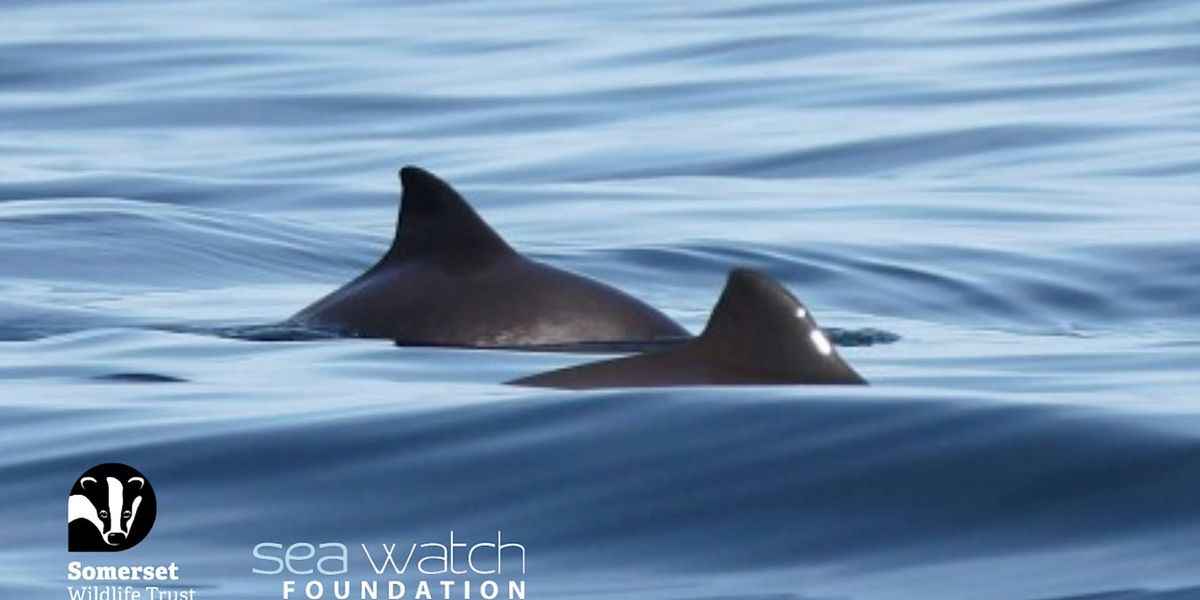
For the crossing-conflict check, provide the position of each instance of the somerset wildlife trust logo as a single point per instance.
(111, 508)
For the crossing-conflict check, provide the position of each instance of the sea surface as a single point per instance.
(1010, 187)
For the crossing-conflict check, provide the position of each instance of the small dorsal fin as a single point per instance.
(752, 307)
(758, 319)
(757, 334)
(436, 220)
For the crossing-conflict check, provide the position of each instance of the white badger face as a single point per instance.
(112, 512)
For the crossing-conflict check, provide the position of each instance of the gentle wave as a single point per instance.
(960, 477)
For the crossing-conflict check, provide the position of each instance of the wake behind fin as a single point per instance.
(436, 220)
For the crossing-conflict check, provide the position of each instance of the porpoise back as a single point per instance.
(758, 333)
(450, 280)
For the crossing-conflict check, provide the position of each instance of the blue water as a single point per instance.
(1010, 186)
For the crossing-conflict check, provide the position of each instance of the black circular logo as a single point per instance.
(111, 508)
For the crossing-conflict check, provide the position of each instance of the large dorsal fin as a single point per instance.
(436, 220)
(759, 321)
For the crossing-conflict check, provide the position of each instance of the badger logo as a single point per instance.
(111, 508)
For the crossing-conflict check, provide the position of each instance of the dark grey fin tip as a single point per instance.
(409, 171)
(752, 298)
(436, 220)
(423, 192)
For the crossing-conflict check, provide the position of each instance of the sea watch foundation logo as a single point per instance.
(111, 508)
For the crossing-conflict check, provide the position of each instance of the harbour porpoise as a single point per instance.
(450, 280)
(758, 333)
